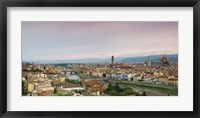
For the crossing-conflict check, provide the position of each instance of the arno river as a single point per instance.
(150, 90)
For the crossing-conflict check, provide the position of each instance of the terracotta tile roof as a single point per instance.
(172, 79)
(57, 82)
(91, 82)
(45, 93)
(69, 85)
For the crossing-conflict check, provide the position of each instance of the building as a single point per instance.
(31, 87)
(94, 86)
(148, 62)
(164, 60)
(173, 81)
(112, 60)
(163, 80)
(71, 87)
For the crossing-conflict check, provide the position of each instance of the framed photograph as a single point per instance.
(99, 58)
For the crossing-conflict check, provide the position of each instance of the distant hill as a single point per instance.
(154, 58)
(88, 60)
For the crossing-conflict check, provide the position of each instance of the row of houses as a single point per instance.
(160, 80)
(150, 78)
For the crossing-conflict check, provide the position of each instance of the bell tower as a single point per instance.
(113, 60)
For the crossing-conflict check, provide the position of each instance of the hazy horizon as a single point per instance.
(64, 40)
(105, 57)
(105, 60)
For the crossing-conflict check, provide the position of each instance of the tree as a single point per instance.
(72, 81)
(37, 70)
(109, 88)
(81, 83)
(24, 89)
(113, 93)
(122, 94)
(129, 91)
(61, 94)
(104, 74)
(117, 88)
(78, 91)
(67, 80)
(131, 79)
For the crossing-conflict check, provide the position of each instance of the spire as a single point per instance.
(112, 60)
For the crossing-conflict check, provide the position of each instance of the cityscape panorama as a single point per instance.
(99, 58)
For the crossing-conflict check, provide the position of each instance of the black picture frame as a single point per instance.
(99, 3)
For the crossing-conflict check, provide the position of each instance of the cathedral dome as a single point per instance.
(164, 59)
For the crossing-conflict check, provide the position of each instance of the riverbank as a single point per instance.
(150, 85)
(151, 90)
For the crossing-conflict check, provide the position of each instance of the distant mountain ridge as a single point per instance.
(154, 58)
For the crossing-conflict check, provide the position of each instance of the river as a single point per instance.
(74, 77)
(152, 91)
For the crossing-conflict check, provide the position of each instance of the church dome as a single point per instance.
(164, 59)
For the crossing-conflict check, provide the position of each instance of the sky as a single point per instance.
(62, 40)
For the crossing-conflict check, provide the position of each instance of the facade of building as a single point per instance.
(163, 80)
(112, 60)
(173, 81)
